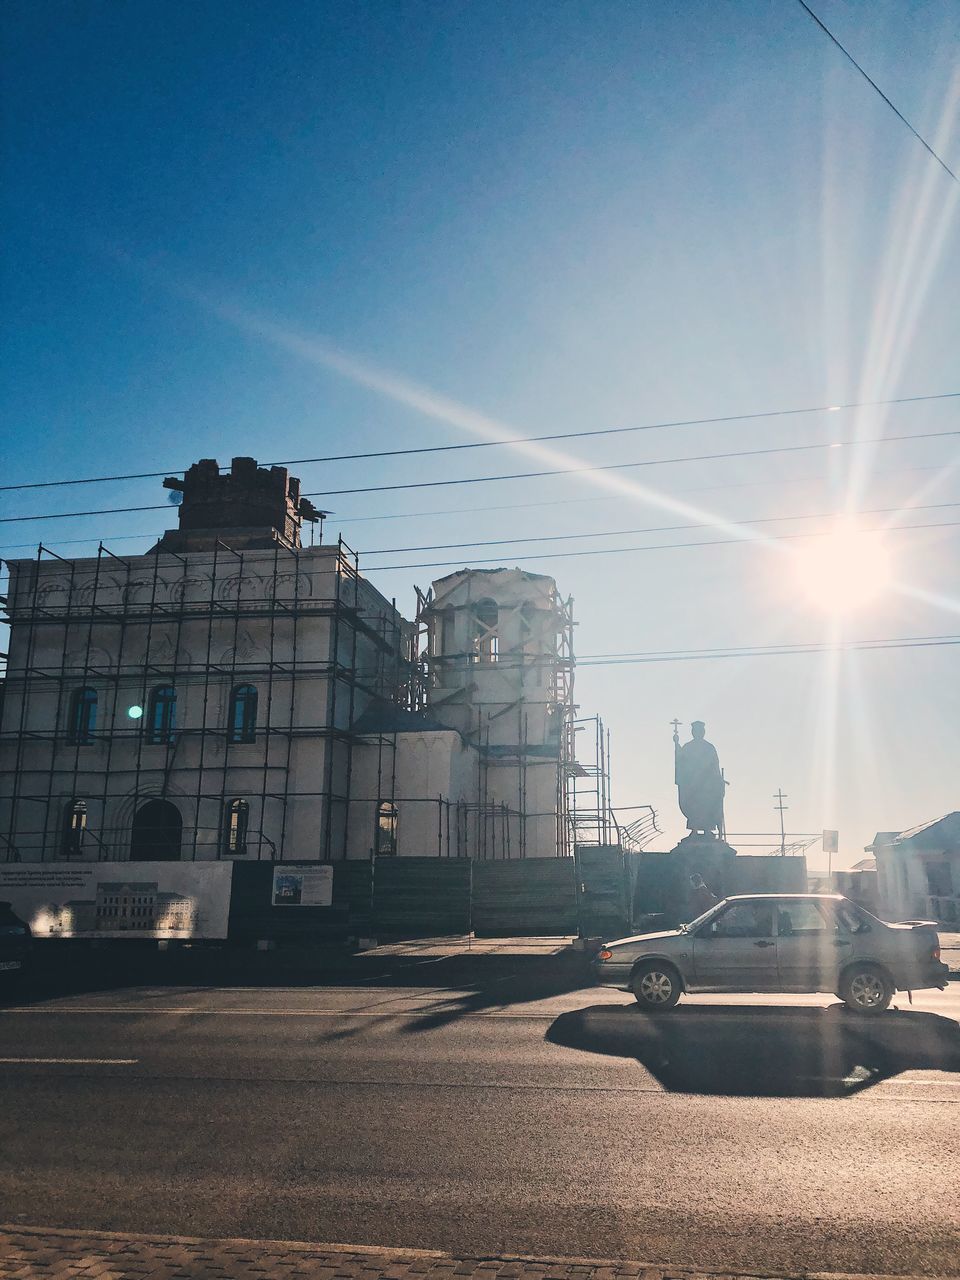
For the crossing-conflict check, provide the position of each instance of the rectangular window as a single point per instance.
(386, 836)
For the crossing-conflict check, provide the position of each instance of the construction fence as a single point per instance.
(601, 891)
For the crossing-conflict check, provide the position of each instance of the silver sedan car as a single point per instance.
(778, 942)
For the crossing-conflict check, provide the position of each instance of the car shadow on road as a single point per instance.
(760, 1051)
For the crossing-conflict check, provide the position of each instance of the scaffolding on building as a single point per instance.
(48, 768)
(553, 668)
(120, 627)
(594, 819)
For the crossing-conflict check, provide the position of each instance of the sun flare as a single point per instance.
(844, 570)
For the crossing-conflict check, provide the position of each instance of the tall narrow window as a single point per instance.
(386, 828)
(163, 713)
(243, 714)
(74, 826)
(486, 641)
(236, 821)
(83, 716)
(447, 632)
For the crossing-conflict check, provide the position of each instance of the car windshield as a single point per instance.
(707, 915)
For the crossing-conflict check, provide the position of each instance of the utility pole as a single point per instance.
(676, 749)
(780, 807)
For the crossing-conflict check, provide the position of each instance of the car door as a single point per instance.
(736, 950)
(811, 946)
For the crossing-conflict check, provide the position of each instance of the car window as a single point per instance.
(744, 920)
(850, 919)
(799, 918)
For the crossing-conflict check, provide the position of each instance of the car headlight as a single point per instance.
(605, 954)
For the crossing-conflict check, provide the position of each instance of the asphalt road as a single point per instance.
(491, 1108)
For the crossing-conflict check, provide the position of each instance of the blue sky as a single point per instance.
(560, 216)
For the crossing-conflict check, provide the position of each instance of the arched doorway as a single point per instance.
(157, 831)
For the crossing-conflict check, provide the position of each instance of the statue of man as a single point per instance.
(699, 780)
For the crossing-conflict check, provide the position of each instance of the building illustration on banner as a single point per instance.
(178, 901)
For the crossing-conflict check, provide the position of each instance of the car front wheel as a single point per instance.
(866, 989)
(656, 987)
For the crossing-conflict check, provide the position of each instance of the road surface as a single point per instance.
(491, 1109)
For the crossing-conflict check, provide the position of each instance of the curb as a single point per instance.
(155, 1237)
(396, 1254)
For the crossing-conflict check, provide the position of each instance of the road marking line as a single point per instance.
(132, 1011)
(103, 1062)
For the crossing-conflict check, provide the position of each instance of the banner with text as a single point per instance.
(120, 899)
(306, 885)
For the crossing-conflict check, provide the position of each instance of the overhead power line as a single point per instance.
(646, 462)
(72, 515)
(538, 475)
(489, 444)
(767, 651)
(876, 88)
(655, 546)
(780, 650)
(606, 498)
(662, 528)
(659, 546)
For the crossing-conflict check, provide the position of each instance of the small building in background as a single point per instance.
(859, 883)
(918, 871)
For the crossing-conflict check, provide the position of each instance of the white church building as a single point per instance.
(233, 694)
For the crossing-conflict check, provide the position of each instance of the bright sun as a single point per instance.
(844, 570)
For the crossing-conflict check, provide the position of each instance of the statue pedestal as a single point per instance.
(707, 856)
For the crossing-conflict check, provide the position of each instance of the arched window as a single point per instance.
(157, 832)
(83, 716)
(236, 821)
(386, 837)
(163, 713)
(74, 825)
(242, 726)
(486, 642)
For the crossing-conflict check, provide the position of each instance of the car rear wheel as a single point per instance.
(866, 988)
(656, 987)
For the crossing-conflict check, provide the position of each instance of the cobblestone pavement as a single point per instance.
(41, 1253)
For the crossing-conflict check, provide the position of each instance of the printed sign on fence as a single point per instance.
(120, 899)
(304, 885)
